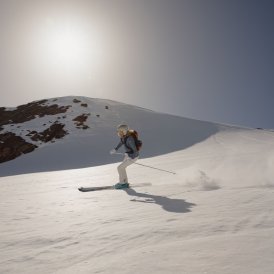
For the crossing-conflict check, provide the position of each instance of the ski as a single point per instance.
(96, 188)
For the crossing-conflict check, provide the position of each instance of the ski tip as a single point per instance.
(82, 189)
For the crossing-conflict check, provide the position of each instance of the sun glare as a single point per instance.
(66, 47)
(70, 46)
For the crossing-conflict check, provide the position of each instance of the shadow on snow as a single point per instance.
(168, 204)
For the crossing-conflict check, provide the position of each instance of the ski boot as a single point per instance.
(121, 185)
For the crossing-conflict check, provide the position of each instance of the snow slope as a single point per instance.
(214, 216)
(160, 133)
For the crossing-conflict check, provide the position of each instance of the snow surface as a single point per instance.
(160, 133)
(214, 216)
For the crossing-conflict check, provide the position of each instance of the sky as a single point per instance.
(210, 60)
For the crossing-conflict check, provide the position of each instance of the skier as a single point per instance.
(131, 155)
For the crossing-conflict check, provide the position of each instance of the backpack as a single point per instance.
(134, 134)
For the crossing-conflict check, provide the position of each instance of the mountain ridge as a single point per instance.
(76, 132)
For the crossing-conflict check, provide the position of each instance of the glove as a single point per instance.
(113, 151)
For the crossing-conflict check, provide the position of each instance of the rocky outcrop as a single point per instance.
(12, 146)
(29, 111)
(55, 131)
(76, 101)
(80, 121)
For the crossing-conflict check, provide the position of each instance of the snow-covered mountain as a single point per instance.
(76, 132)
(214, 216)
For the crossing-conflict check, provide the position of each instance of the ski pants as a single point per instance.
(122, 168)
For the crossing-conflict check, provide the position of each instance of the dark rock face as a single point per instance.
(80, 121)
(12, 146)
(55, 131)
(29, 111)
(76, 101)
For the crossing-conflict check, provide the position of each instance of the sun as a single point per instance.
(66, 46)
(70, 46)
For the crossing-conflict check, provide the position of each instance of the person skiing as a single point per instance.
(131, 155)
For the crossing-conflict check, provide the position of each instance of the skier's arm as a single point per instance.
(113, 151)
(119, 145)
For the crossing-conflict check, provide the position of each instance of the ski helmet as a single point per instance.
(123, 128)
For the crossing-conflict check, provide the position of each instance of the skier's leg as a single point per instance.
(122, 169)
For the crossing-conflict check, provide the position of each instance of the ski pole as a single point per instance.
(150, 166)
(156, 168)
